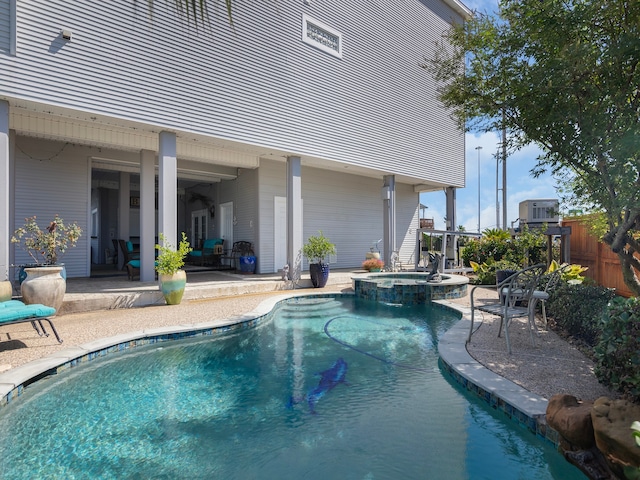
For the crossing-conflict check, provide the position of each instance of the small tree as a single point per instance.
(318, 248)
(565, 76)
(49, 245)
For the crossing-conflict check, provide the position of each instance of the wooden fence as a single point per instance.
(604, 266)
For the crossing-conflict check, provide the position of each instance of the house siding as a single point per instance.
(257, 83)
(57, 175)
(272, 183)
(245, 204)
(347, 208)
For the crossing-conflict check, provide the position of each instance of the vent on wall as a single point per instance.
(321, 36)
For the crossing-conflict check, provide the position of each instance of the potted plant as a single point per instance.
(44, 281)
(246, 257)
(316, 249)
(169, 263)
(373, 265)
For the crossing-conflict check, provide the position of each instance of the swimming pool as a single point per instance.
(250, 405)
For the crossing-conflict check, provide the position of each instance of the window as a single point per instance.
(321, 36)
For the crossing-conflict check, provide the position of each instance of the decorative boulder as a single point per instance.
(572, 420)
(612, 421)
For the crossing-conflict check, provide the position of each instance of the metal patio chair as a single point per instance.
(542, 295)
(515, 299)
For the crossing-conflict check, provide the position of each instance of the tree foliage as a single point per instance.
(564, 75)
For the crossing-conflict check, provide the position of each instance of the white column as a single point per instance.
(389, 216)
(147, 215)
(294, 216)
(450, 195)
(5, 212)
(123, 212)
(450, 241)
(168, 187)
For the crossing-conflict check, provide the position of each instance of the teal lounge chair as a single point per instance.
(14, 311)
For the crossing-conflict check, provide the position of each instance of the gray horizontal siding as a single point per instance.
(52, 179)
(260, 84)
(347, 208)
(245, 205)
(272, 183)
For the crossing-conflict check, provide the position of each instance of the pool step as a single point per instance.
(311, 315)
(326, 308)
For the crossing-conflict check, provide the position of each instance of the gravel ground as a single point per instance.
(552, 366)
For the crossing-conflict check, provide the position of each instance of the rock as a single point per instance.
(591, 463)
(612, 421)
(572, 420)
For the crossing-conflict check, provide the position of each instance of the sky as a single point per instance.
(520, 184)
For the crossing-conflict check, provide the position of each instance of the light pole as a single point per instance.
(497, 190)
(478, 148)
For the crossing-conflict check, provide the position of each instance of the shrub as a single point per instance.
(317, 248)
(618, 352)
(577, 309)
(526, 248)
(373, 264)
(486, 272)
(47, 247)
(169, 259)
(484, 250)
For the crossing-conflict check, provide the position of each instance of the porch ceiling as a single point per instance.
(50, 122)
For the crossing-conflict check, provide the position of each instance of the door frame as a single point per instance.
(226, 225)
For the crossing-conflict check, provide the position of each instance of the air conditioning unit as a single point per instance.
(536, 212)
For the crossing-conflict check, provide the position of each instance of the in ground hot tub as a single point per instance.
(409, 288)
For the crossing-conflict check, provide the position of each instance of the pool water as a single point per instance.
(237, 406)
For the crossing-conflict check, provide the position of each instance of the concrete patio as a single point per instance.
(111, 289)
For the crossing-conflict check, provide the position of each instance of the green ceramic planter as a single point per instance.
(172, 287)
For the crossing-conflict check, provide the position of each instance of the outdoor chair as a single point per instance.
(211, 248)
(128, 253)
(133, 269)
(514, 299)
(15, 311)
(550, 282)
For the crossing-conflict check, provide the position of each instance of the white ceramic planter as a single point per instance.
(44, 285)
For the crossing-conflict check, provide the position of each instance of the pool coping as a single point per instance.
(14, 381)
(517, 403)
